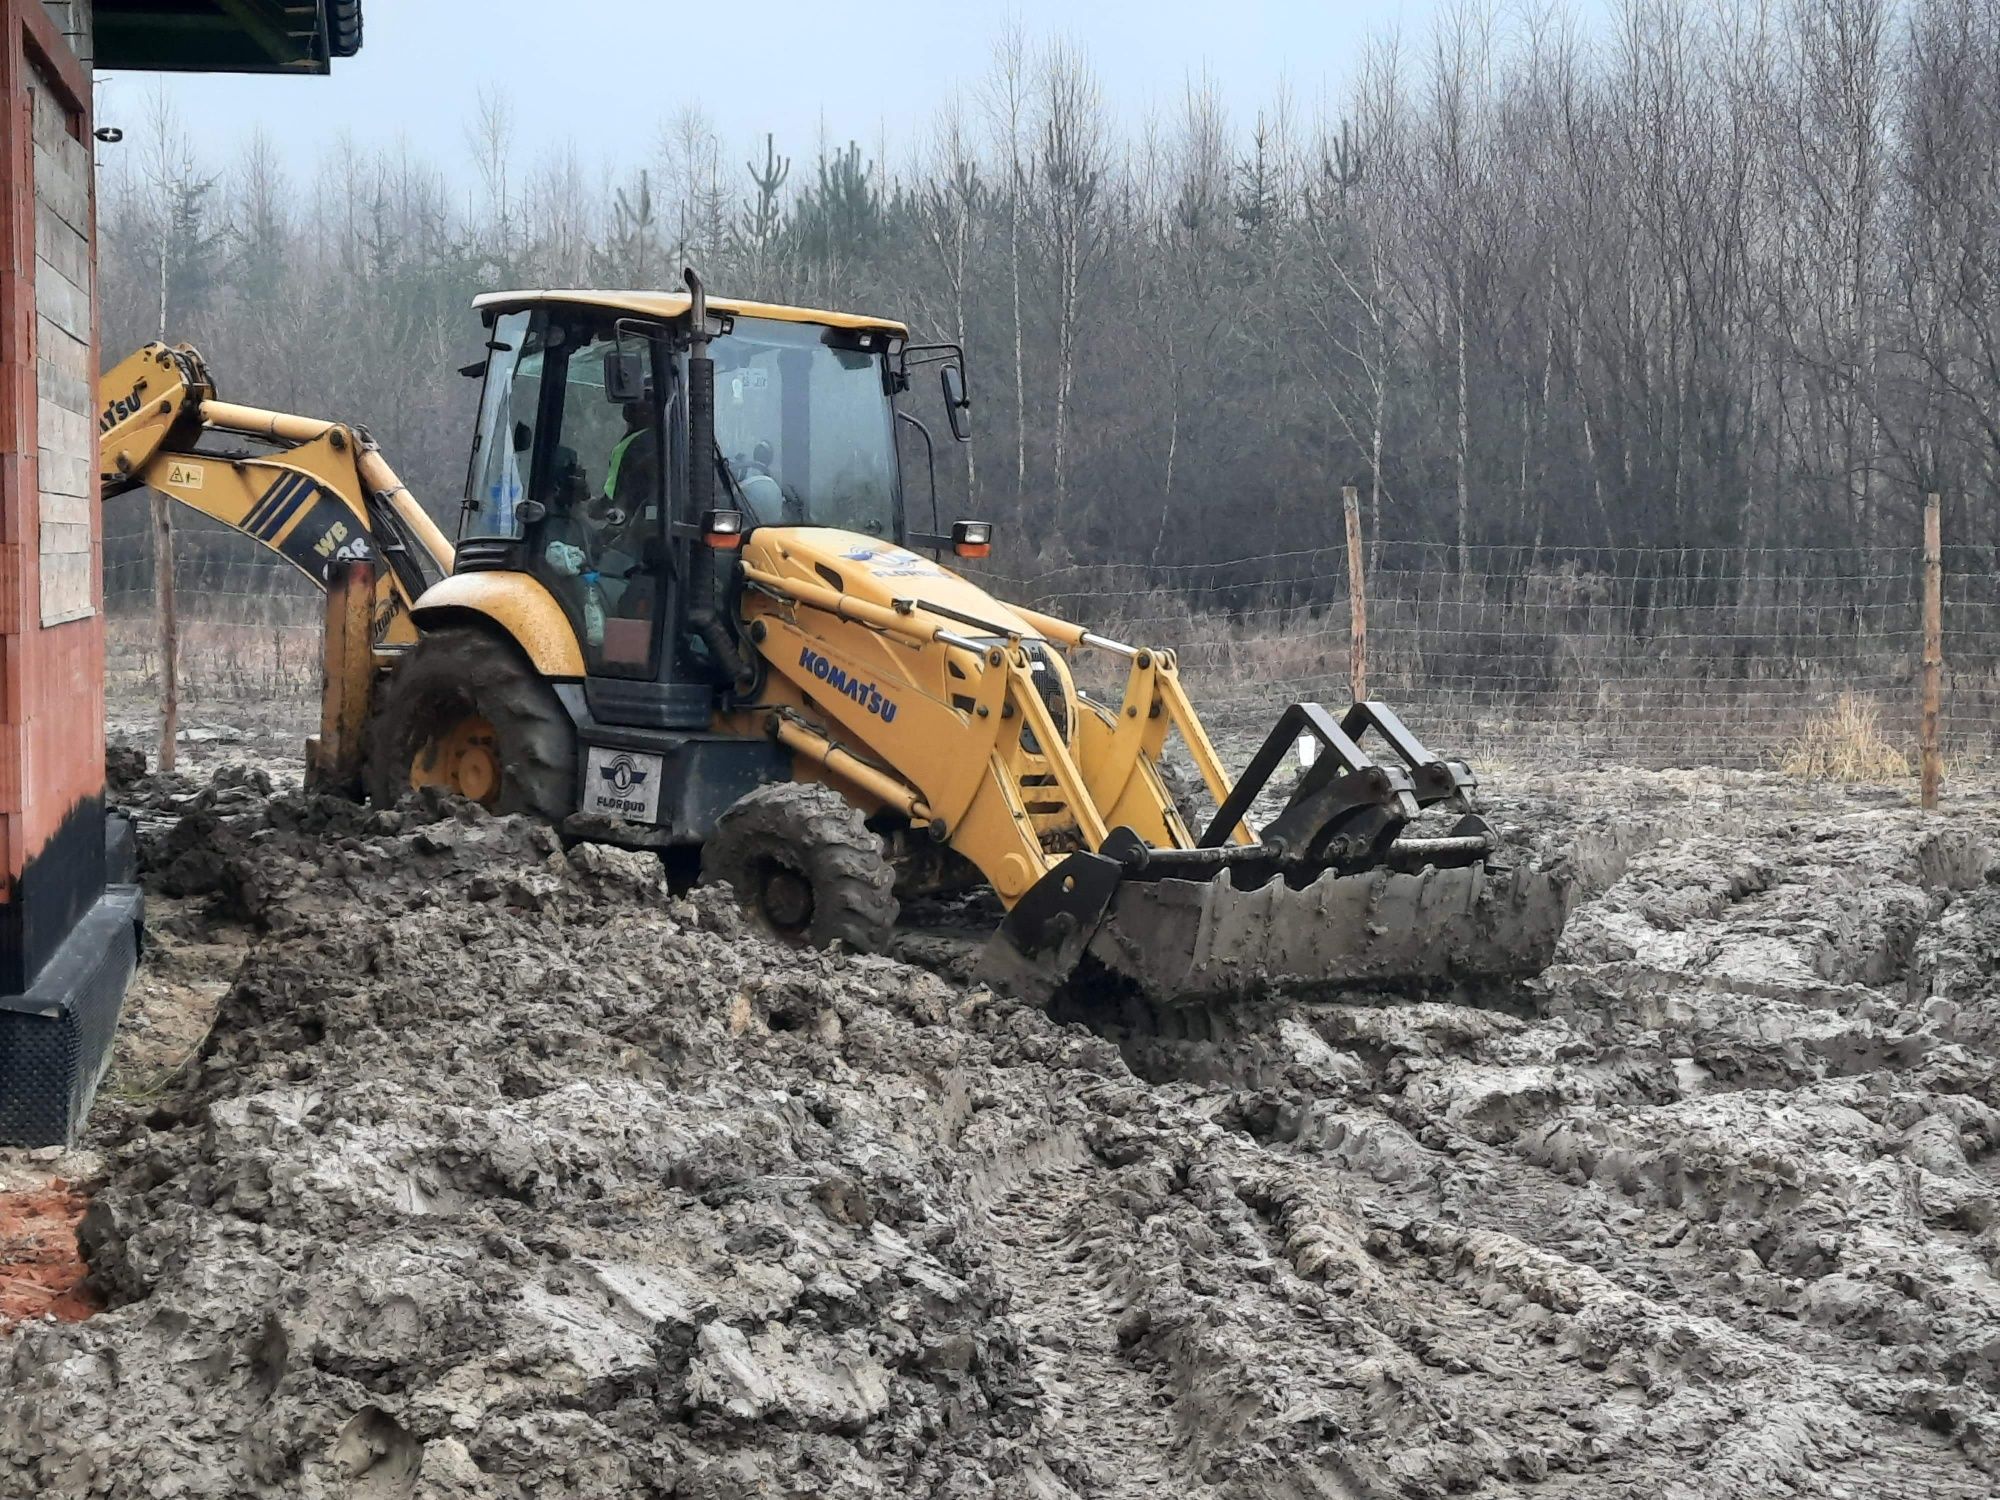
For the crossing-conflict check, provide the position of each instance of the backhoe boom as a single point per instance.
(315, 492)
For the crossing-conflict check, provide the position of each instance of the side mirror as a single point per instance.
(971, 538)
(956, 403)
(624, 376)
(524, 437)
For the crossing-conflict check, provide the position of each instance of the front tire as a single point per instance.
(805, 867)
(467, 713)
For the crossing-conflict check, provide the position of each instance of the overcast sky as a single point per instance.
(606, 73)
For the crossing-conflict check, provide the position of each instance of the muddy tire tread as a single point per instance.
(473, 666)
(825, 839)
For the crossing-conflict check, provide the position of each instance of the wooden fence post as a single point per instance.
(1932, 769)
(347, 676)
(168, 622)
(1357, 599)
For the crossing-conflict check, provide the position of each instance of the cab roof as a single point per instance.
(667, 306)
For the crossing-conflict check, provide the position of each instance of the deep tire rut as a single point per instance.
(1059, 1259)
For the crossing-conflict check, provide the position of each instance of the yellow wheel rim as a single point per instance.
(464, 758)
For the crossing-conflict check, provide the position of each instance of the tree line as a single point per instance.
(1718, 274)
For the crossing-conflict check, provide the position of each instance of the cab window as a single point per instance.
(599, 541)
(497, 479)
(804, 425)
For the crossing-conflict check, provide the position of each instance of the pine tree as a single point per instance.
(757, 228)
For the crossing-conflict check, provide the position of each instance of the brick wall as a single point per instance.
(51, 625)
(65, 438)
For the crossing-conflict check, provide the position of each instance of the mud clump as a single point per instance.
(507, 1171)
(124, 768)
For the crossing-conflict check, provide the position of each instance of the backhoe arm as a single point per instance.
(317, 493)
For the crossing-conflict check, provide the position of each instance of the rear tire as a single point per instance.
(805, 867)
(467, 712)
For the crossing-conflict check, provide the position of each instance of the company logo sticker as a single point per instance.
(121, 408)
(624, 773)
(340, 543)
(892, 562)
(623, 784)
(864, 693)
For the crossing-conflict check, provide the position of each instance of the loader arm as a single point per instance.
(922, 695)
(317, 493)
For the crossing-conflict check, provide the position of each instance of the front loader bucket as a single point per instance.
(1187, 942)
(1192, 942)
(1337, 893)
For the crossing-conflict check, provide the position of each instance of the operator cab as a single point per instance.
(580, 472)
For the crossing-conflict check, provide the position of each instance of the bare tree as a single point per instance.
(1007, 101)
(1451, 161)
(949, 203)
(698, 206)
(1194, 231)
(1349, 219)
(1840, 123)
(490, 137)
(560, 213)
(1072, 163)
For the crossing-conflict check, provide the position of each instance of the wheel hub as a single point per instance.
(463, 757)
(786, 897)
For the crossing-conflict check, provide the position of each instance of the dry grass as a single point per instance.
(226, 660)
(1844, 743)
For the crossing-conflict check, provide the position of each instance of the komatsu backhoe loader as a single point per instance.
(687, 609)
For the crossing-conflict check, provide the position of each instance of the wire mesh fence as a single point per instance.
(1644, 656)
(1651, 657)
(249, 622)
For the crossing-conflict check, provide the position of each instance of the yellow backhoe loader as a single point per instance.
(687, 610)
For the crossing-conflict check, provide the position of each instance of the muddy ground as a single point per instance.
(504, 1171)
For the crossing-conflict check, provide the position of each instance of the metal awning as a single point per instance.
(225, 36)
